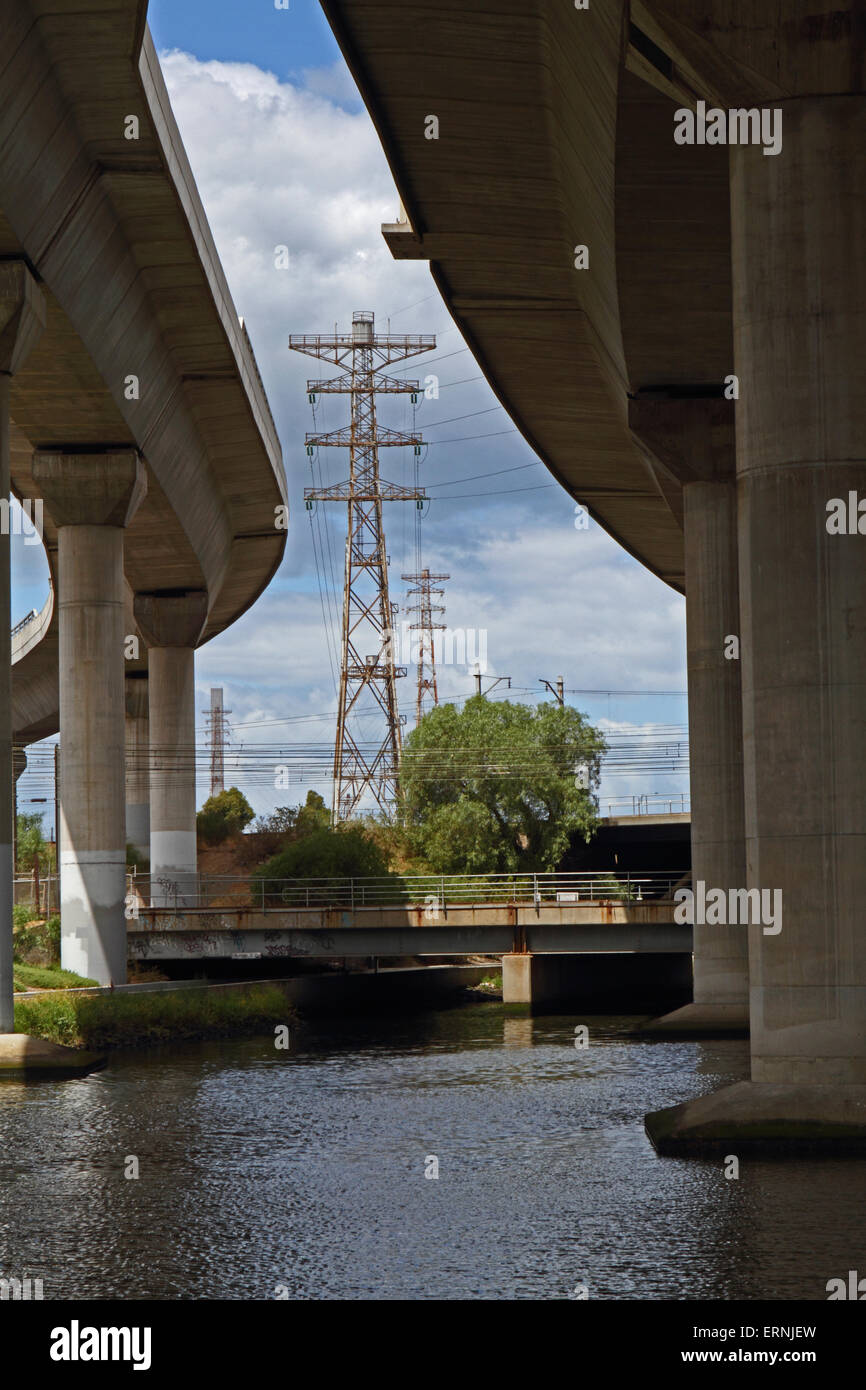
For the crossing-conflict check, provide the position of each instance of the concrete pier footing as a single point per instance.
(763, 1116)
(23, 1057)
(91, 498)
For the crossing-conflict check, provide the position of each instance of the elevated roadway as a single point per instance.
(677, 328)
(134, 410)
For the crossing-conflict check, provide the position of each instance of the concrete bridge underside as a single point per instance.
(706, 268)
(132, 407)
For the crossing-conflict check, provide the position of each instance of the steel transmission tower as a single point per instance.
(425, 608)
(367, 657)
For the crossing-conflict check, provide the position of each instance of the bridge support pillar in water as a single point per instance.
(597, 981)
(91, 497)
(798, 231)
(172, 624)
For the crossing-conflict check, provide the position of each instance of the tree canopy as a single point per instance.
(498, 787)
(223, 815)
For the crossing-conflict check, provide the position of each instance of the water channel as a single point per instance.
(265, 1173)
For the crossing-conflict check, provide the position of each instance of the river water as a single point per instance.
(264, 1173)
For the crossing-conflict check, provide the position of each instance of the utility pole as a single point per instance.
(559, 692)
(497, 681)
(367, 655)
(425, 608)
(215, 717)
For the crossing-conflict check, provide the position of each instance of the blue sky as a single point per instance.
(284, 154)
(285, 41)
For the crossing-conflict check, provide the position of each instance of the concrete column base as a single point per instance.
(24, 1055)
(93, 891)
(698, 1020)
(759, 1116)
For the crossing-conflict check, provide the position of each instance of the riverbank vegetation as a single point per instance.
(105, 1021)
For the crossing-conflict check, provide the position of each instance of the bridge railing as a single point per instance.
(649, 805)
(433, 892)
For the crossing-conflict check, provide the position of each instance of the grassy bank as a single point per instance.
(101, 1021)
(46, 977)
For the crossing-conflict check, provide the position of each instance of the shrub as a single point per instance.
(344, 852)
(222, 816)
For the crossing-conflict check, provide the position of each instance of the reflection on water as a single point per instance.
(306, 1169)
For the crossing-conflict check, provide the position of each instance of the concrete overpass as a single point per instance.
(132, 406)
(678, 330)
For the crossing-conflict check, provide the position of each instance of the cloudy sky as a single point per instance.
(285, 155)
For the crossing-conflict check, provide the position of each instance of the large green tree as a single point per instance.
(223, 815)
(498, 787)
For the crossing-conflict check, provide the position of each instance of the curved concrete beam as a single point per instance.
(115, 231)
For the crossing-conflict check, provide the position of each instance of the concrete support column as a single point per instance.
(172, 624)
(137, 765)
(91, 498)
(22, 319)
(721, 957)
(799, 229)
(721, 952)
(694, 440)
(798, 232)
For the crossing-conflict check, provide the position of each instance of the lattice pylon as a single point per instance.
(425, 608)
(368, 614)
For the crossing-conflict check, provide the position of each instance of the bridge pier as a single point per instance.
(92, 497)
(22, 319)
(137, 765)
(798, 229)
(695, 439)
(172, 624)
(600, 981)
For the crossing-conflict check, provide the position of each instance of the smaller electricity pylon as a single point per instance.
(426, 652)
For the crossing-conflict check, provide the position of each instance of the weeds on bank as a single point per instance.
(125, 1020)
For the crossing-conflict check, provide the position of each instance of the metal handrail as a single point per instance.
(25, 622)
(433, 891)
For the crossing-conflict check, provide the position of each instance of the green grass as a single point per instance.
(134, 1020)
(47, 977)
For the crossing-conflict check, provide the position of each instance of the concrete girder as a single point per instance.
(116, 233)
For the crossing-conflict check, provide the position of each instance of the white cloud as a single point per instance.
(298, 165)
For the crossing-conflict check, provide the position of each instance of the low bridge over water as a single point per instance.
(519, 917)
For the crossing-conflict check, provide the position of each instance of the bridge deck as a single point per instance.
(471, 929)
